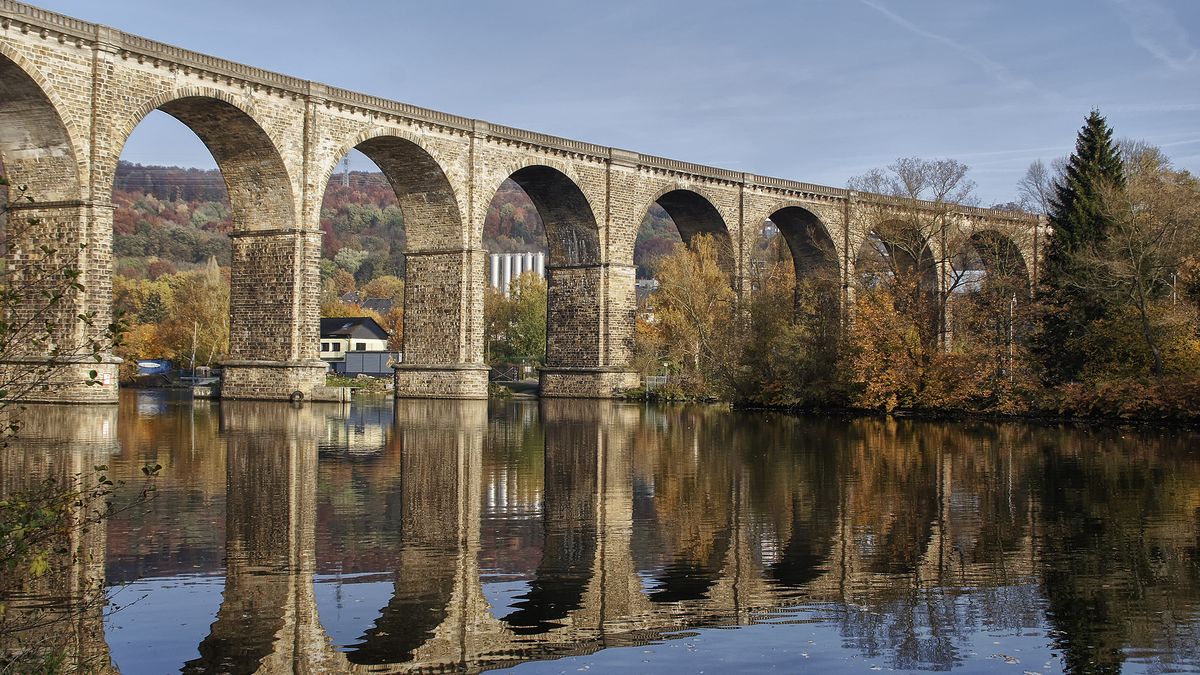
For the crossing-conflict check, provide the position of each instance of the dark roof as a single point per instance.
(380, 306)
(352, 327)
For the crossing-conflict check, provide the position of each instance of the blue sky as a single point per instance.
(813, 90)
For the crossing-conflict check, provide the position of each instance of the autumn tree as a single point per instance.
(694, 309)
(792, 351)
(1151, 230)
(911, 239)
(515, 325)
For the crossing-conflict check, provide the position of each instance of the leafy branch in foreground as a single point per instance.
(43, 535)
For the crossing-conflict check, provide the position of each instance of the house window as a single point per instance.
(360, 346)
(324, 346)
(337, 346)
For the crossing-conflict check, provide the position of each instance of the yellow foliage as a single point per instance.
(889, 355)
(694, 310)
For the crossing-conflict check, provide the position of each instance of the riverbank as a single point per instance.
(1169, 402)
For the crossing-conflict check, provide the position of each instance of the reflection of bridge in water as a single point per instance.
(644, 526)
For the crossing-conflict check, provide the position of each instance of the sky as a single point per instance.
(811, 90)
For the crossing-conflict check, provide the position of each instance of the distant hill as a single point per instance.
(171, 218)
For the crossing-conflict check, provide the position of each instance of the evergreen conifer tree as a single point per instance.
(1078, 223)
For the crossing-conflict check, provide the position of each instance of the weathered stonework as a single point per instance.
(447, 380)
(586, 382)
(277, 381)
(75, 91)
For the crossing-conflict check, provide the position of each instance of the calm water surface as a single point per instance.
(574, 536)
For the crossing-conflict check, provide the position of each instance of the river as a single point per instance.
(567, 536)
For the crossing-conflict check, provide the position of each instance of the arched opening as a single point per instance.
(204, 262)
(815, 272)
(572, 235)
(35, 147)
(896, 265)
(702, 287)
(694, 215)
(257, 181)
(988, 296)
(571, 290)
(389, 226)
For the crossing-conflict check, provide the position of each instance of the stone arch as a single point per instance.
(37, 147)
(575, 270)
(893, 252)
(814, 256)
(261, 194)
(1001, 257)
(424, 193)
(694, 214)
(814, 253)
(568, 217)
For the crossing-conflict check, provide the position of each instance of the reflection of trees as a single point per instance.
(911, 537)
(685, 474)
(1117, 552)
(156, 428)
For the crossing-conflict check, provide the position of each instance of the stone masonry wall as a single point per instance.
(573, 337)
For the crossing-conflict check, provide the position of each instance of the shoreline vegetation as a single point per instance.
(941, 319)
(1094, 316)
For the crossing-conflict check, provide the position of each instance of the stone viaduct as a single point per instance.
(72, 92)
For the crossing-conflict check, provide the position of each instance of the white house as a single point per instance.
(351, 333)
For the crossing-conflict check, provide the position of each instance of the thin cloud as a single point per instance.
(1156, 29)
(997, 70)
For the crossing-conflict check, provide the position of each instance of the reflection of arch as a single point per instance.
(694, 214)
(270, 480)
(426, 508)
(571, 231)
(260, 189)
(423, 191)
(569, 549)
(35, 141)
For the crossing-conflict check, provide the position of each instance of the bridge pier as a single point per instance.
(443, 321)
(53, 357)
(273, 312)
(590, 332)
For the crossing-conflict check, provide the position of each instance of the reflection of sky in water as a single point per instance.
(806, 640)
(349, 604)
(160, 622)
(502, 596)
